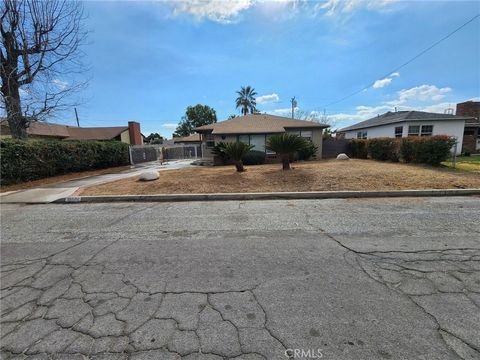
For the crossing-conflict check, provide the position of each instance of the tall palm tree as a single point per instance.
(246, 100)
(285, 145)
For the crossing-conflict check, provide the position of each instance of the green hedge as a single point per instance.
(254, 157)
(430, 150)
(358, 148)
(26, 160)
(426, 150)
(383, 149)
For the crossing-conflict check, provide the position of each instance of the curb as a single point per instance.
(268, 196)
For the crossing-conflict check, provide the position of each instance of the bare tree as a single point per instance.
(41, 58)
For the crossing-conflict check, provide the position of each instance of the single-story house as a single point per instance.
(255, 129)
(43, 130)
(193, 139)
(471, 134)
(408, 123)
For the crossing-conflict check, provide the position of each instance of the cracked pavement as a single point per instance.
(351, 279)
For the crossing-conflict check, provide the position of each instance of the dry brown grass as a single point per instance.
(62, 178)
(308, 176)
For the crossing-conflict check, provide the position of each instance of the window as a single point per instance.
(361, 135)
(244, 138)
(210, 140)
(427, 130)
(306, 135)
(469, 131)
(414, 130)
(399, 131)
(268, 152)
(258, 142)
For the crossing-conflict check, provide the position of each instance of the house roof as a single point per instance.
(95, 133)
(400, 116)
(258, 124)
(39, 128)
(191, 138)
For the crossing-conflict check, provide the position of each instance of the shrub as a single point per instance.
(358, 148)
(26, 160)
(286, 145)
(219, 150)
(254, 157)
(430, 150)
(308, 152)
(382, 149)
(236, 151)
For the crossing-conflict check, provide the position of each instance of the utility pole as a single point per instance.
(294, 105)
(76, 115)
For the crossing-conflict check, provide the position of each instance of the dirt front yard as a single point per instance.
(307, 176)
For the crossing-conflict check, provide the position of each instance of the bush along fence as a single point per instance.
(430, 150)
(26, 160)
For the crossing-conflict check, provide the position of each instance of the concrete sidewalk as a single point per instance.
(53, 192)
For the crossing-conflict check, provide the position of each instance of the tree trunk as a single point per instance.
(239, 166)
(16, 121)
(11, 90)
(285, 162)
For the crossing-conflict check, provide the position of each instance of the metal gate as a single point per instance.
(145, 153)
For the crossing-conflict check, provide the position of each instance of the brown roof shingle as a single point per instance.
(191, 138)
(95, 133)
(38, 128)
(258, 124)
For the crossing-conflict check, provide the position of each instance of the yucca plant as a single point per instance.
(236, 151)
(285, 145)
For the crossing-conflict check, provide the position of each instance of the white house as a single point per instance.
(409, 123)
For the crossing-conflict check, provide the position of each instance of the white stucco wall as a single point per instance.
(450, 128)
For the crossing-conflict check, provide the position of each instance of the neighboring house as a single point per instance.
(471, 134)
(188, 140)
(42, 130)
(409, 123)
(255, 129)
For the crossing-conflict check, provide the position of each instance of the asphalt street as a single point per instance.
(302, 279)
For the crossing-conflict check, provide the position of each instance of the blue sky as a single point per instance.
(150, 60)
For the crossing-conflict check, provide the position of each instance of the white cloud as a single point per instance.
(422, 93)
(264, 99)
(384, 82)
(169, 126)
(62, 85)
(381, 83)
(283, 111)
(215, 10)
(338, 7)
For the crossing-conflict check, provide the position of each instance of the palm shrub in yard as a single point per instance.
(219, 150)
(286, 145)
(308, 152)
(236, 151)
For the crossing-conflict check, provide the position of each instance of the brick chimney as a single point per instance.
(134, 132)
(469, 108)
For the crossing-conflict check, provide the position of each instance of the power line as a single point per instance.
(405, 63)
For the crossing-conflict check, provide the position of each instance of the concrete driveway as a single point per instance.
(330, 279)
(52, 192)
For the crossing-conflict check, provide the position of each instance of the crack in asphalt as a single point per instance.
(393, 257)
